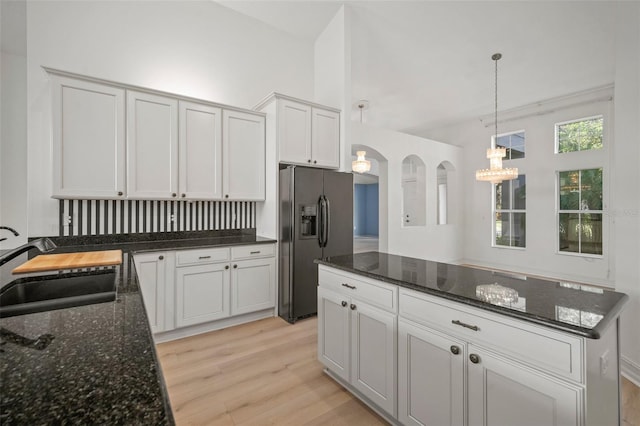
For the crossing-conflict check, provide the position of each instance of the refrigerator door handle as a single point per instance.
(320, 221)
(326, 220)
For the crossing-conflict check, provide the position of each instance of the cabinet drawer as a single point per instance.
(201, 256)
(552, 351)
(375, 293)
(253, 251)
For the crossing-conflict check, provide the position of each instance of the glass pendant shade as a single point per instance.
(495, 173)
(361, 165)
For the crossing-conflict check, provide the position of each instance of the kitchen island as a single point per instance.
(94, 364)
(425, 342)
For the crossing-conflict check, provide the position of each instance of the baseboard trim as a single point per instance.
(192, 330)
(630, 370)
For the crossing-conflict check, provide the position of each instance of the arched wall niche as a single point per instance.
(442, 192)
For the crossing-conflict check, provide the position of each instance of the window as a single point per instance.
(579, 135)
(509, 211)
(580, 211)
(513, 143)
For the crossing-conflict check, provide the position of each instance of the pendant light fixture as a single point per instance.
(495, 173)
(361, 165)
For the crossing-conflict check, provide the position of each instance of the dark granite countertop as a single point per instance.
(574, 308)
(93, 364)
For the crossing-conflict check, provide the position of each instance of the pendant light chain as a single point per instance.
(497, 56)
(495, 173)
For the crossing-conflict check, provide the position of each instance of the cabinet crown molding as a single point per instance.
(125, 86)
(275, 95)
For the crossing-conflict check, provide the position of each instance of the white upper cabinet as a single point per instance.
(243, 153)
(113, 141)
(294, 132)
(307, 134)
(200, 151)
(152, 146)
(88, 125)
(325, 138)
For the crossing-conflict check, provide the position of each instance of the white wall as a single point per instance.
(434, 242)
(540, 165)
(194, 48)
(13, 122)
(332, 74)
(619, 266)
(625, 179)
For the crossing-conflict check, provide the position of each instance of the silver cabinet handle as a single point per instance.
(455, 349)
(255, 252)
(353, 307)
(352, 287)
(160, 257)
(204, 257)
(474, 358)
(344, 303)
(462, 324)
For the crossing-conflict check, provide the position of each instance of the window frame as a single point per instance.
(580, 212)
(557, 125)
(494, 139)
(494, 211)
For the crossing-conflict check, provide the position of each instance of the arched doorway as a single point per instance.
(369, 214)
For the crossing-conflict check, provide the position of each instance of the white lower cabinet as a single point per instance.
(357, 342)
(431, 368)
(201, 287)
(502, 392)
(460, 365)
(151, 270)
(253, 285)
(202, 293)
(431, 385)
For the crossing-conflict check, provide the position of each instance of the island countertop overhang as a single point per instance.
(582, 310)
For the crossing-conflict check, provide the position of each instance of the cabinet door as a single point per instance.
(373, 354)
(333, 332)
(294, 132)
(151, 272)
(253, 285)
(88, 139)
(202, 293)
(152, 146)
(243, 153)
(504, 393)
(200, 151)
(325, 138)
(430, 377)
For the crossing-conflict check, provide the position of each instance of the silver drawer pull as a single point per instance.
(352, 287)
(255, 252)
(204, 257)
(460, 323)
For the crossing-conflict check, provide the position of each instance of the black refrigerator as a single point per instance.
(316, 220)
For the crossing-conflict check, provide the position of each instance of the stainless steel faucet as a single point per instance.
(42, 244)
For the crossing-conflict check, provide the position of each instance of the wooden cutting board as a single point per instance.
(55, 262)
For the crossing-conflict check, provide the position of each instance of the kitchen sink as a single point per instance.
(50, 292)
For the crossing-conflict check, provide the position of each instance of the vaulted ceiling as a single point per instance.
(427, 64)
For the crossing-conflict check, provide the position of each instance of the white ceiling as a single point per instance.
(426, 64)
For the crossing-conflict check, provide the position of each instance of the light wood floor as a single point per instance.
(266, 372)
